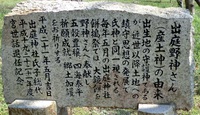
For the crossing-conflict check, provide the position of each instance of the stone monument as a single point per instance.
(99, 54)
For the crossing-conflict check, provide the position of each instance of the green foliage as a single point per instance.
(195, 110)
(196, 25)
(80, 111)
(3, 105)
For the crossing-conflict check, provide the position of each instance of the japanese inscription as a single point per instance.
(111, 59)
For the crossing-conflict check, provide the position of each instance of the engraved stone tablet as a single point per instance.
(98, 54)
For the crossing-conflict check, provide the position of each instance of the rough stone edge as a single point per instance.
(29, 6)
(192, 64)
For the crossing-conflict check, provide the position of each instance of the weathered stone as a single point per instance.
(156, 109)
(98, 54)
(32, 107)
(64, 111)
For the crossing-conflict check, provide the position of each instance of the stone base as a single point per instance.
(32, 107)
(64, 110)
(156, 109)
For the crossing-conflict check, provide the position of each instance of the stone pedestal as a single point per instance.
(156, 109)
(32, 107)
(64, 110)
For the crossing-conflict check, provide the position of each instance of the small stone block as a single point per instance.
(156, 109)
(32, 107)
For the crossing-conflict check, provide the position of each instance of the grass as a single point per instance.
(102, 111)
(195, 110)
(7, 5)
